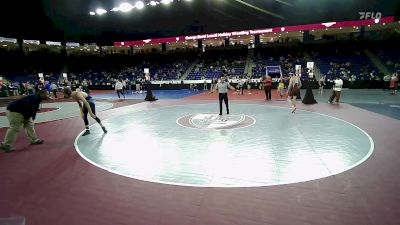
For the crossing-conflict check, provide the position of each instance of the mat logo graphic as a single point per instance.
(370, 15)
(215, 121)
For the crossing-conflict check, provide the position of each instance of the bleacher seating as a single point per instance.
(391, 58)
(214, 63)
(286, 58)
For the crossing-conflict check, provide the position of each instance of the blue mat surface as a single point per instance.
(390, 110)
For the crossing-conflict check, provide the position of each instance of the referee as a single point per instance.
(222, 87)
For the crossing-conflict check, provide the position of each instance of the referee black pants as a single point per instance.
(223, 97)
(122, 93)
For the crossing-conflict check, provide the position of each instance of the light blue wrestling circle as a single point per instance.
(279, 148)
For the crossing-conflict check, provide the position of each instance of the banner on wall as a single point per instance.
(274, 71)
(12, 40)
(32, 42)
(72, 44)
(310, 67)
(54, 43)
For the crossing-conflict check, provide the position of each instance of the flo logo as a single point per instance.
(215, 121)
(370, 15)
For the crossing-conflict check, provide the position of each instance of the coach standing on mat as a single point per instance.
(222, 87)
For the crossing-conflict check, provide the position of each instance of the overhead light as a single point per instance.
(166, 2)
(92, 13)
(125, 7)
(154, 3)
(100, 11)
(139, 5)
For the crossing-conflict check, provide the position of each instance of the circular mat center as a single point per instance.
(215, 121)
(271, 147)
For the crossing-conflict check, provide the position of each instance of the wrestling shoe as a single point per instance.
(104, 129)
(86, 133)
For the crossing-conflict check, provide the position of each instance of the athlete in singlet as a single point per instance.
(86, 105)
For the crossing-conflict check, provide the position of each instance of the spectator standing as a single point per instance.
(267, 87)
(337, 89)
(119, 87)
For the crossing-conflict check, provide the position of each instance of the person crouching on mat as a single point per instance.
(222, 88)
(86, 105)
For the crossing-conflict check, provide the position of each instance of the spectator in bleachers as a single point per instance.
(29, 88)
(85, 86)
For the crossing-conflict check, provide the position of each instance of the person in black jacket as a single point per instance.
(21, 112)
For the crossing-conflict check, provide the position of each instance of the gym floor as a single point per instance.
(176, 161)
